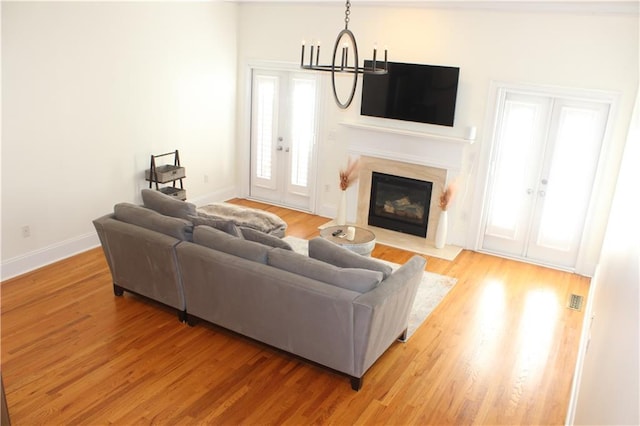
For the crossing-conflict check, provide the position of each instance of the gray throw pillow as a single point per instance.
(224, 225)
(329, 252)
(262, 238)
(221, 241)
(360, 280)
(166, 204)
(154, 221)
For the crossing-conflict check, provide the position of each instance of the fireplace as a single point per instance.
(399, 203)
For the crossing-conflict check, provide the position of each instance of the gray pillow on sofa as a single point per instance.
(262, 238)
(166, 204)
(221, 241)
(360, 280)
(329, 252)
(137, 215)
(224, 225)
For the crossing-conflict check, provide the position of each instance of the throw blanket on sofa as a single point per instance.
(245, 216)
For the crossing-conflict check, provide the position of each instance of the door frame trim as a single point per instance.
(586, 263)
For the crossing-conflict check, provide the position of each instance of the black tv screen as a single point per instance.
(411, 92)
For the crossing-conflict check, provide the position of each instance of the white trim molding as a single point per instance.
(47, 255)
(58, 251)
(626, 7)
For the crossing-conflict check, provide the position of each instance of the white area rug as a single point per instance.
(431, 291)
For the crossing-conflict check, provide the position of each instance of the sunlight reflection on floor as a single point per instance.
(537, 328)
(490, 324)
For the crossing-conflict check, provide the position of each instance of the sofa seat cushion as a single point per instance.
(247, 217)
(221, 241)
(137, 215)
(360, 280)
(166, 204)
(326, 251)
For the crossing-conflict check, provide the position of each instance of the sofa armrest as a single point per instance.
(99, 225)
(381, 315)
(142, 261)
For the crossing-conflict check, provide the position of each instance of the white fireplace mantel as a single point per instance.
(407, 132)
(408, 146)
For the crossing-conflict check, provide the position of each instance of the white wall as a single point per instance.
(607, 384)
(571, 50)
(90, 91)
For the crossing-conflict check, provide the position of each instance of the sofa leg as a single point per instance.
(403, 336)
(117, 290)
(190, 320)
(182, 316)
(356, 383)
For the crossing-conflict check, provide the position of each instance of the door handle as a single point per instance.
(529, 191)
(279, 148)
(542, 193)
(286, 149)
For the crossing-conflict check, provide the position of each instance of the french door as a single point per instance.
(283, 137)
(542, 172)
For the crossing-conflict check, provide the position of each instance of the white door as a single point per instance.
(283, 137)
(542, 172)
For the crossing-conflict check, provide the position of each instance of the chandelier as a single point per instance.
(343, 66)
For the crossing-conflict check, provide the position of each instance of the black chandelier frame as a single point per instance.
(343, 67)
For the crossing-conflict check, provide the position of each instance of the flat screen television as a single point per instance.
(412, 92)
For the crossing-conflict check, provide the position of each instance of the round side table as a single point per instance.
(363, 242)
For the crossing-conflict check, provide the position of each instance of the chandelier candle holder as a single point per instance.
(343, 67)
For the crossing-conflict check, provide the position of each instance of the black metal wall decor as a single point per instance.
(343, 66)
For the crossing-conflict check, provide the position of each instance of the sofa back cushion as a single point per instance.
(326, 251)
(166, 204)
(262, 238)
(360, 280)
(224, 225)
(137, 215)
(221, 241)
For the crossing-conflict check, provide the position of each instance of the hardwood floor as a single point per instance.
(499, 349)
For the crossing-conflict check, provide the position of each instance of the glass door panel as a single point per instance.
(517, 159)
(566, 182)
(264, 131)
(303, 135)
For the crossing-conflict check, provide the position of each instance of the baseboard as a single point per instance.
(46, 255)
(38, 258)
(214, 197)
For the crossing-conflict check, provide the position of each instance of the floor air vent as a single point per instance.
(575, 302)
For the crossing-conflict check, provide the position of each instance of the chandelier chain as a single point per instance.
(347, 12)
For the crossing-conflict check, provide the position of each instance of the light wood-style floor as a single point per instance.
(499, 349)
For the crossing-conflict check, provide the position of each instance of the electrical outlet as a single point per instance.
(327, 188)
(26, 231)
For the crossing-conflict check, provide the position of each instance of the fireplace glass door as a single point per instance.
(399, 203)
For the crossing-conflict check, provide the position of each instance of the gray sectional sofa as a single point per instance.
(333, 307)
